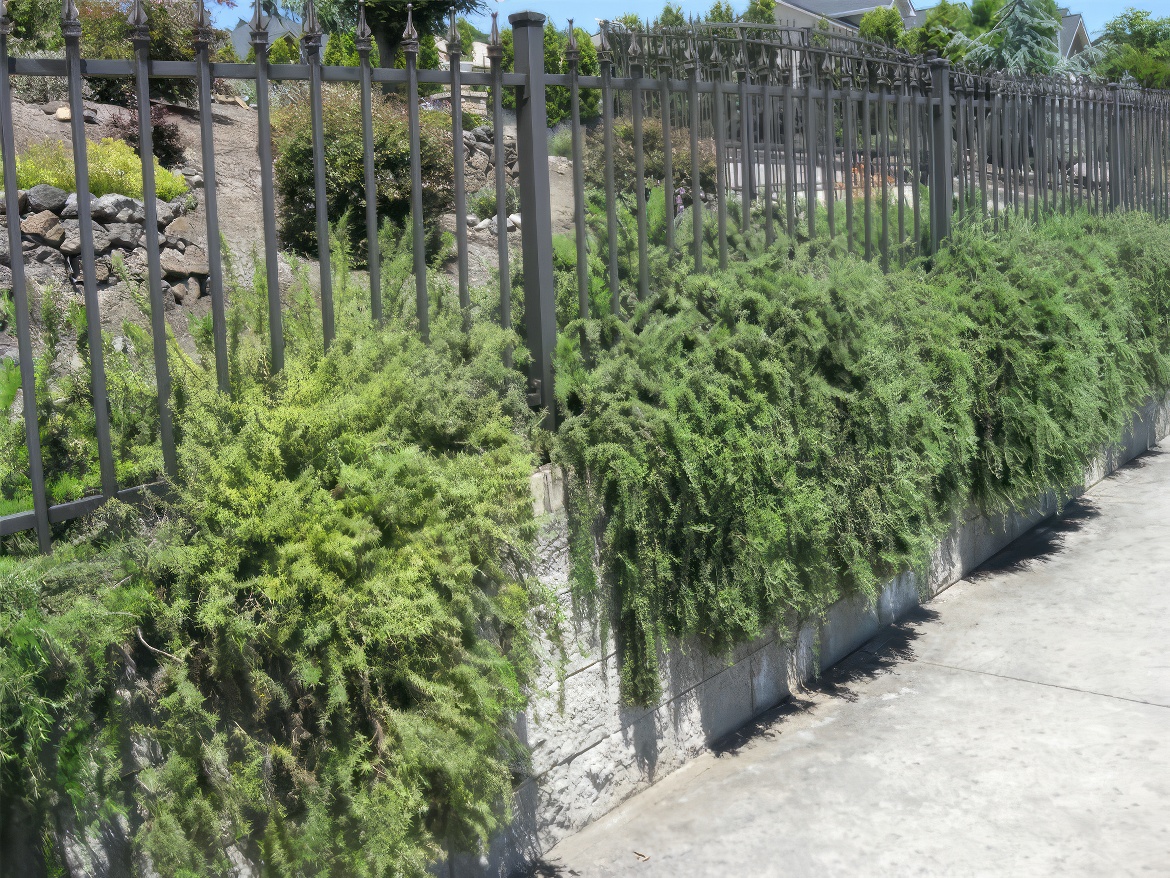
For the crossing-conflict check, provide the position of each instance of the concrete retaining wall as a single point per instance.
(590, 753)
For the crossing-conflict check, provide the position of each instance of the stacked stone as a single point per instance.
(480, 153)
(51, 239)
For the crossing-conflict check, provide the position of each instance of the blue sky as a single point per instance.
(1096, 12)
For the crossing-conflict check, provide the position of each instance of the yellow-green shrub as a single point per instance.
(114, 168)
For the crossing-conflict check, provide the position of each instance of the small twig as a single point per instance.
(142, 640)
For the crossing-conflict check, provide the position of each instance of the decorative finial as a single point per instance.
(258, 25)
(138, 21)
(410, 35)
(5, 24)
(200, 14)
(363, 37)
(454, 46)
(70, 19)
(311, 27)
(603, 48)
(573, 51)
(495, 36)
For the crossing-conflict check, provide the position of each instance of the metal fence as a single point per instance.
(813, 132)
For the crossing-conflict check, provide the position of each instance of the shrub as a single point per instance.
(282, 50)
(483, 202)
(759, 442)
(560, 143)
(345, 169)
(114, 168)
(168, 147)
(343, 639)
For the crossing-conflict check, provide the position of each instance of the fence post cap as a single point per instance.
(527, 18)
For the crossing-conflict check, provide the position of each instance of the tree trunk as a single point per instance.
(387, 39)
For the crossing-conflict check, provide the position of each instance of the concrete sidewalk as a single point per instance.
(1019, 724)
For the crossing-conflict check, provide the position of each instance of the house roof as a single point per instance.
(1072, 26)
(278, 26)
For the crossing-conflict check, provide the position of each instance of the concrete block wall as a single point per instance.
(589, 752)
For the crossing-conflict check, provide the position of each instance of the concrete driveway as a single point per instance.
(1018, 725)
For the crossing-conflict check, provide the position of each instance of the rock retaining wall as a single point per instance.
(589, 753)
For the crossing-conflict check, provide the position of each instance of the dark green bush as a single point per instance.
(345, 169)
(653, 154)
(760, 442)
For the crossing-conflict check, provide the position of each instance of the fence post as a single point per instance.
(1114, 128)
(535, 209)
(941, 172)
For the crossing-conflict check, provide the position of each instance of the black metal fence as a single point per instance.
(813, 132)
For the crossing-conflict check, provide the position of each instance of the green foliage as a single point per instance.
(114, 168)
(483, 203)
(105, 33)
(1136, 46)
(654, 157)
(345, 168)
(561, 143)
(752, 445)
(1022, 39)
(387, 20)
(283, 50)
(337, 635)
(557, 97)
(36, 23)
(882, 25)
(761, 12)
(671, 16)
(342, 52)
(938, 29)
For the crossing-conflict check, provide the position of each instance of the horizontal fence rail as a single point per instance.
(764, 131)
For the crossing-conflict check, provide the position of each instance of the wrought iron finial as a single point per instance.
(635, 50)
(495, 49)
(603, 48)
(495, 36)
(454, 44)
(139, 24)
(690, 53)
(259, 26)
(363, 36)
(573, 51)
(70, 19)
(311, 27)
(410, 35)
(5, 23)
(716, 55)
(201, 33)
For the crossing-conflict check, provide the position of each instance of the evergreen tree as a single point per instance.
(1022, 40)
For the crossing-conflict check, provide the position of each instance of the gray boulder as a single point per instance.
(107, 208)
(124, 235)
(179, 266)
(45, 197)
(70, 209)
(72, 244)
(21, 202)
(44, 227)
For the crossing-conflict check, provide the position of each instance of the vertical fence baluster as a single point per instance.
(201, 38)
(810, 136)
(961, 141)
(363, 42)
(884, 146)
(71, 30)
(664, 72)
(866, 156)
(140, 37)
(28, 380)
(849, 141)
(900, 166)
(914, 79)
(311, 46)
(828, 169)
(605, 56)
(410, 47)
(768, 121)
(691, 62)
(259, 33)
(746, 157)
(789, 148)
(972, 117)
(496, 59)
(637, 72)
(455, 57)
(573, 58)
(720, 123)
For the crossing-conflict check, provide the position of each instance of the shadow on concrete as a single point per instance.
(889, 648)
(1044, 541)
(1146, 458)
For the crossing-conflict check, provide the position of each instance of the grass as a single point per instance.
(114, 169)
